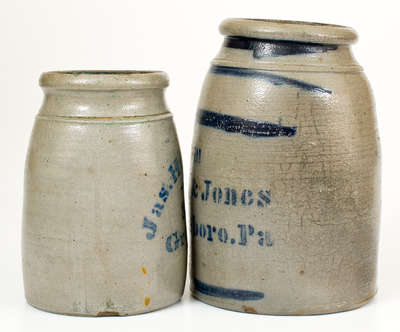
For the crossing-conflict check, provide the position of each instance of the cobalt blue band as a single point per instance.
(274, 48)
(227, 293)
(267, 76)
(235, 124)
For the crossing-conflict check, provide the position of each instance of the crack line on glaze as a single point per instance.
(247, 127)
(272, 78)
(227, 293)
(274, 48)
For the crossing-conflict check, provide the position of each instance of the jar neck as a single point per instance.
(103, 103)
(285, 55)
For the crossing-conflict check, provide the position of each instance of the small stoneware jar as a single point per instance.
(285, 192)
(103, 219)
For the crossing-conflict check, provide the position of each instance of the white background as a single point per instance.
(181, 38)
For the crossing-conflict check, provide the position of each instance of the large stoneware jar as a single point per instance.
(285, 192)
(103, 228)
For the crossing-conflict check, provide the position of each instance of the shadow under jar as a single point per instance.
(285, 183)
(103, 220)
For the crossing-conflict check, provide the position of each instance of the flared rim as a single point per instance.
(104, 79)
(311, 32)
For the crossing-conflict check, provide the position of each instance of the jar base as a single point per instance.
(250, 310)
(108, 313)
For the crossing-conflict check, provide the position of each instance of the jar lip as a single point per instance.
(311, 32)
(103, 79)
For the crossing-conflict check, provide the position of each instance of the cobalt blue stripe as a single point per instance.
(275, 48)
(235, 124)
(267, 76)
(227, 293)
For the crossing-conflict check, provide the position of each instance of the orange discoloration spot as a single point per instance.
(144, 270)
(146, 301)
(249, 310)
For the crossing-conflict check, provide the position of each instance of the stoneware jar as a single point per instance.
(285, 192)
(103, 219)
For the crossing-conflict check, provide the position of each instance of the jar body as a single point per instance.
(285, 186)
(91, 244)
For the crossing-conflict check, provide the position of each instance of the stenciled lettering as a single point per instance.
(245, 234)
(208, 191)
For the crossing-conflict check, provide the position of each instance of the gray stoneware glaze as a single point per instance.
(285, 192)
(103, 220)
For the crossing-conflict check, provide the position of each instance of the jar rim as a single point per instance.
(301, 31)
(103, 79)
